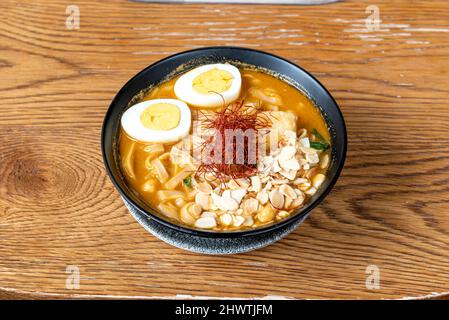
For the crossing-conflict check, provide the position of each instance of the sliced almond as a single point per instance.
(186, 215)
(312, 172)
(306, 150)
(203, 200)
(262, 196)
(268, 161)
(288, 202)
(302, 133)
(304, 186)
(318, 179)
(232, 184)
(283, 214)
(238, 194)
(195, 210)
(305, 142)
(311, 191)
(279, 181)
(287, 153)
(250, 206)
(276, 199)
(206, 223)
(299, 200)
(268, 186)
(300, 181)
(290, 164)
(288, 191)
(226, 219)
(238, 221)
(266, 215)
(312, 158)
(204, 187)
(325, 161)
(256, 184)
(216, 200)
(208, 214)
(249, 221)
(289, 174)
(276, 168)
(243, 183)
(229, 204)
(187, 218)
(290, 134)
(226, 194)
(304, 164)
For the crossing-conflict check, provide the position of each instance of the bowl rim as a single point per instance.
(225, 234)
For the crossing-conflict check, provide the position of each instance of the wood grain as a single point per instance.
(389, 208)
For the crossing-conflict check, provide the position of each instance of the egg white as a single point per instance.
(133, 127)
(184, 87)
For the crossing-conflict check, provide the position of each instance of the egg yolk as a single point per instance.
(160, 116)
(213, 80)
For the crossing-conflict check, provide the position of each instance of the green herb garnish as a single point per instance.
(318, 145)
(321, 144)
(188, 181)
(318, 135)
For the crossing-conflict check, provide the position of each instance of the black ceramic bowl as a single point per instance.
(210, 241)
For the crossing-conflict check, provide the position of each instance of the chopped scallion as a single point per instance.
(187, 181)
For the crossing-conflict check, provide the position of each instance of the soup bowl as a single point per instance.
(220, 242)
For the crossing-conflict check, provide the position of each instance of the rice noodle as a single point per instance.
(168, 210)
(190, 192)
(153, 151)
(165, 195)
(181, 157)
(252, 79)
(154, 148)
(175, 168)
(164, 156)
(177, 179)
(128, 161)
(268, 95)
(160, 171)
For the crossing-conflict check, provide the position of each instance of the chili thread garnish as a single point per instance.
(235, 116)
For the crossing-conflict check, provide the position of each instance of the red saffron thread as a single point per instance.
(235, 116)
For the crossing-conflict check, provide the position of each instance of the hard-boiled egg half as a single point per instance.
(157, 120)
(208, 85)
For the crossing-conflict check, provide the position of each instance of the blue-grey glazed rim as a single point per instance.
(288, 71)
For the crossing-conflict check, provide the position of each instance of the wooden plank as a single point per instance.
(297, 2)
(389, 209)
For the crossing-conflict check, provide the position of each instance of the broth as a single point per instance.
(135, 155)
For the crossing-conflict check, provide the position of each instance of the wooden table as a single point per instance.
(387, 213)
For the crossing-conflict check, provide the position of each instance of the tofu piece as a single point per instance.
(282, 121)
